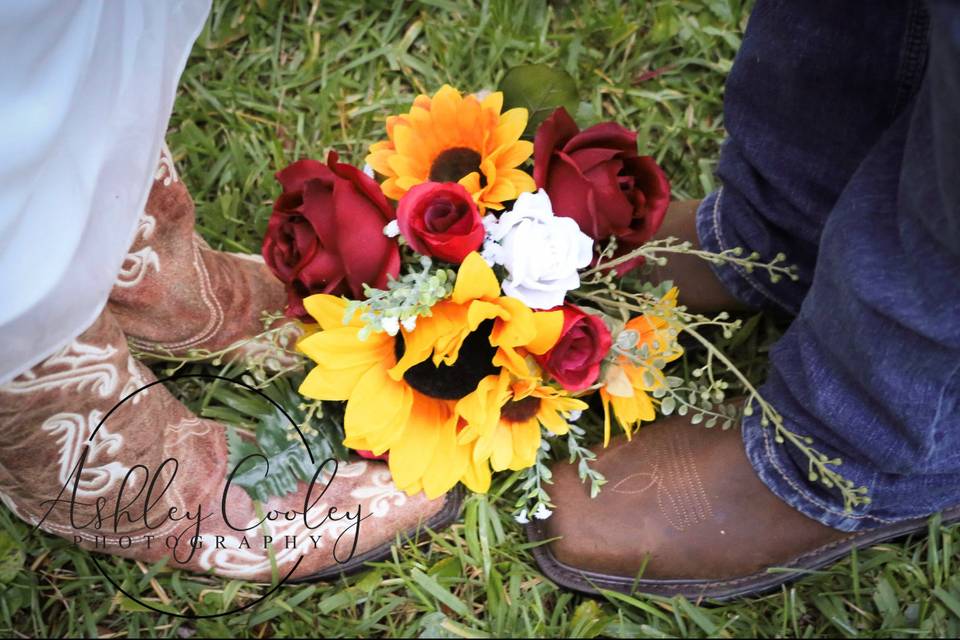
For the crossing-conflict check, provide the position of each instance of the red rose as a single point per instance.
(597, 178)
(574, 361)
(440, 220)
(326, 233)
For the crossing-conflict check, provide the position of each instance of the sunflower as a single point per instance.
(503, 418)
(452, 138)
(402, 391)
(652, 339)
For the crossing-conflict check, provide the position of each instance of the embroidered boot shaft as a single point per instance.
(86, 478)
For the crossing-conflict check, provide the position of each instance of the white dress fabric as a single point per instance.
(86, 92)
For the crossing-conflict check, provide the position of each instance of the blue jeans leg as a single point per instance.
(814, 86)
(870, 367)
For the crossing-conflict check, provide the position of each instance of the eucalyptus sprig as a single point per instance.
(403, 301)
(534, 501)
(268, 355)
(776, 269)
(705, 401)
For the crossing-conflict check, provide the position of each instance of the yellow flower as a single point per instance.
(503, 419)
(627, 380)
(401, 392)
(452, 138)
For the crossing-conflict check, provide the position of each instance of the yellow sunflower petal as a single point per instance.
(549, 324)
(480, 409)
(512, 124)
(509, 359)
(477, 476)
(404, 165)
(475, 280)
(605, 400)
(342, 361)
(481, 310)
(342, 349)
(406, 182)
(329, 311)
(407, 142)
(378, 404)
(493, 102)
(446, 102)
(471, 182)
(411, 489)
(521, 180)
(411, 454)
(326, 384)
(513, 155)
(448, 464)
(500, 190)
(526, 441)
(553, 421)
(391, 190)
(518, 327)
(422, 101)
(502, 448)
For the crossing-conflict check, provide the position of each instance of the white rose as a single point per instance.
(541, 252)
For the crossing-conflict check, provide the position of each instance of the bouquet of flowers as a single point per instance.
(474, 295)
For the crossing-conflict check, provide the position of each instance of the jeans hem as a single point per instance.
(768, 460)
(742, 284)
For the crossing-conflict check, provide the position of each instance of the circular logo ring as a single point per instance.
(206, 376)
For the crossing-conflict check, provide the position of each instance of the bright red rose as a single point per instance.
(326, 233)
(574, 361)
(440, 220)
(597, 178)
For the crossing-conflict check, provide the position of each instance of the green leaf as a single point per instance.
(434, 588)
(277, 439)
(11, 557)
(539, 89)
(667, 405)
(948, 599)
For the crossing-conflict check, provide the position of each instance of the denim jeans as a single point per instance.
(844, 154)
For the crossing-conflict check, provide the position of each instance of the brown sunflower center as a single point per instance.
(520, 410)
(453, 164)
(452, 382)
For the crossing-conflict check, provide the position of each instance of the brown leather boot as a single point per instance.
(175, 295)
(69, 463)
(684, 513)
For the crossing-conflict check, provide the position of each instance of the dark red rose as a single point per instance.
(574, 361)
(440, 220)
(597, 178)
(326, 233)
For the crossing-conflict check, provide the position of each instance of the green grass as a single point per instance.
(270, 82)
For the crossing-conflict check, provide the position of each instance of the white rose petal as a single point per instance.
(490, 253)
(541, 251)
(490, 223)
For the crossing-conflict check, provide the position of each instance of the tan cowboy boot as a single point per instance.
(175, 295)
(68, 459)
(683, 512)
